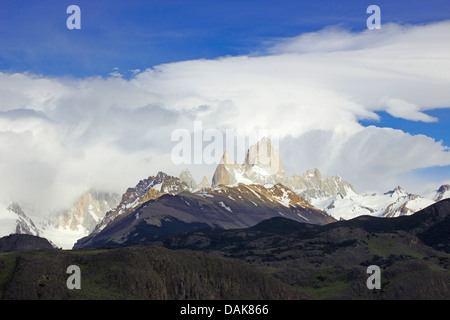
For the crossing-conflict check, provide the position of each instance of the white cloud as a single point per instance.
(372, 159)
(402, 109)
(58, 136)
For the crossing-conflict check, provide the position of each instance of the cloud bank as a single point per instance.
(59, 136)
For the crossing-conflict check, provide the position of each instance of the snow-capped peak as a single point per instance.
(442, 193)
(397, 192)
(14, 220)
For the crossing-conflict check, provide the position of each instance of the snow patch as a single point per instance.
(157, 187)
(223, 205)
(205, 195)
(93, 214)
(284, 199)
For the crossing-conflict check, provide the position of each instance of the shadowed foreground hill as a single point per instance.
(136, 273)
(23, 242)
(330, 261)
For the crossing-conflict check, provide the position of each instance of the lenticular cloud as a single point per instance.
(60, 136)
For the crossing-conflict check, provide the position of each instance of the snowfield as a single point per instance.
(391, 204)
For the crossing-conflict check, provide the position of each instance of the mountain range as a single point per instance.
(239, 195)
(63, 227)
(225, 207)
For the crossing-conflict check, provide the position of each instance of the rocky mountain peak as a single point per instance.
(397, 192)
(186, 177)
(160, 176)
(87, 211)
(24, 225)
(314, 174)
(227, 159)
(262, 165)
(312, 185)
(147, 189)
(204, 184)
(263, 154)
(224, 173)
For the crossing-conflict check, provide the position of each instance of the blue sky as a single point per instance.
(239, 63)
(439, 130)
(139, 34)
